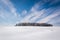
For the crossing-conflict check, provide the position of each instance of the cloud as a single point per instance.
(32, 13)
(10, 5)
(8, 13)
(24, 12)
(38, 15)
(56, 20)
(43, 11)
(46, 10)
(48, 18)
(55, 13)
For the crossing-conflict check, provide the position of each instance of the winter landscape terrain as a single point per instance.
(29, 33)
(13, 12)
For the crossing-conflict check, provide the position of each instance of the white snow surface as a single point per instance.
(29, 33)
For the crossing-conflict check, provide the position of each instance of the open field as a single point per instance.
(29, 33)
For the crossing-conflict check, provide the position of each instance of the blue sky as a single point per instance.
(36, 11)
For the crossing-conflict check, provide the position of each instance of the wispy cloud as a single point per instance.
(23, 13)
(8, 13)
(10, 5)
(48, 18)
(38, 15)
(46, 9)
(43, 9)
(33, 13)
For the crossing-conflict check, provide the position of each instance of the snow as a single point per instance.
(29, 33)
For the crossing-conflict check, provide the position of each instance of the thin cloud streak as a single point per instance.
(32, 13)
(48, 18)
(10, 5)
(8, 13)
(35, 13)
(38, 15)
(42, 9)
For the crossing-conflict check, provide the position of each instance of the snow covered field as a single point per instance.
(29, 33)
